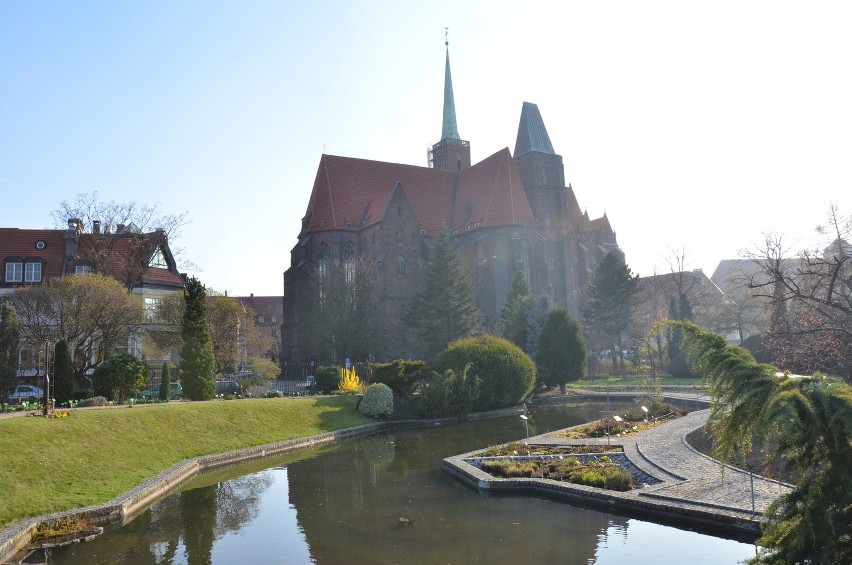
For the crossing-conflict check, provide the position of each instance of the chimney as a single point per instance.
(75, 225)
(96, 227)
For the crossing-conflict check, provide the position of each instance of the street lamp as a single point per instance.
(526, 423)
(645, 410)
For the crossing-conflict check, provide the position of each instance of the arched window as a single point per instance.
(526, 260)
(501, 273)
(322, 270)
(400, 266)
(349, 263)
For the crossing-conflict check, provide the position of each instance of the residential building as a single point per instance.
(142, 262)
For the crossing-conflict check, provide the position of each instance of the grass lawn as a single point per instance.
(92, 456)
(634, 380)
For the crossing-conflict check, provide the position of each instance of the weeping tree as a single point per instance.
(807, 422)
(63, 372)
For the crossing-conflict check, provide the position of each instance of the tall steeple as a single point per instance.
(450, 128)
(451, 153)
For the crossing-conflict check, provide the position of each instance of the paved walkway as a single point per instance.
(687, 476)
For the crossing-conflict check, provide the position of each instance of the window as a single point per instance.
(14, 272)
(274, 319)
(261, 319)
(152, 309)
(83, 269)
(157, 260)
(32, 272)
(322, 271)
(349, 263)
(400, 266)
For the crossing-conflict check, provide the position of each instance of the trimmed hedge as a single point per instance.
(401, 375)
(327, 379)
(507, 373)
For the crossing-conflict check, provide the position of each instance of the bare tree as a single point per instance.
(124, 225)
(810, 299)
(93, 313)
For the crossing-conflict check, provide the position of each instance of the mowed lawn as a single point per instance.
(94, 455)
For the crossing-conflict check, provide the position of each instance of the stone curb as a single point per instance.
(125, 507)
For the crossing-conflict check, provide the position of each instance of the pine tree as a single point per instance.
(514, 314)
(165, 383)
(10, 342)
(678, 363)
(445, 310)
(64, 384)
(610, 301)
(197, 365)
(562, 355)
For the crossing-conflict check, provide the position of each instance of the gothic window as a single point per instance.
(501, 273)
(400, 266)
(526, 260)
(322, 270)
(349, 263)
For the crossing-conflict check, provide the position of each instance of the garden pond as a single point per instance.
(384, 499)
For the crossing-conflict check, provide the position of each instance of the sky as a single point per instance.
(696, 127)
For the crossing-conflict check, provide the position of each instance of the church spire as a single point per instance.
(450, 128)
(451, 153)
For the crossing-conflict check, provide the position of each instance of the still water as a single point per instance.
(384, 499)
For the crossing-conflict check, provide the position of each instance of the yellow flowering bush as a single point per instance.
(349, 381)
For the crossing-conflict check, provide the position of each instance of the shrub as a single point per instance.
(401, 375)
(377, 401)
(327, 379)
(273, 394)
(450, 394)
(82, 394)
(507, 373)
(94, 401)
(349, 381)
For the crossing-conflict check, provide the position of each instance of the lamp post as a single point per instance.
(526, 423)
(645, 410)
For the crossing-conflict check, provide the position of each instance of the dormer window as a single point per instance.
(32, 272)
(14, 271)
(157, 260)
(82, 269)
(21, 270)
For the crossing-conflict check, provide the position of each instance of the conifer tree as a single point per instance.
(165, 383)
(10, 342)
(610, 301)
(64, 384)
(197, 361)
(445, 310)
(678, 364)
(561, 357)
(514, 314)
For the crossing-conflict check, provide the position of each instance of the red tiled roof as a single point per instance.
(358, 191)
(160, 276)
(15, 242)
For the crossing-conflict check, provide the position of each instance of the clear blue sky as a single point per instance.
(694, 126)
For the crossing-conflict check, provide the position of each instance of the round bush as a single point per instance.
(377, 401)
(273, 394)
(506, 372)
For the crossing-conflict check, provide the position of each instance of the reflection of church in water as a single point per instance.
(509, 213)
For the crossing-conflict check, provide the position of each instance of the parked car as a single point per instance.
(228, 386)
(175, 391)
(27, 392)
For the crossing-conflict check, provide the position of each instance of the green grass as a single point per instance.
(634, 380)
(92, 456)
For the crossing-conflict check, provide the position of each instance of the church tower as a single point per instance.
(451, 153)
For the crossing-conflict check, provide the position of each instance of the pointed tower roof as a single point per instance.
(450, 129)
(532, 135)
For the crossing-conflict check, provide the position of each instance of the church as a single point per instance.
(509, 213)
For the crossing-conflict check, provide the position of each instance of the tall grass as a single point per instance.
(94, 455)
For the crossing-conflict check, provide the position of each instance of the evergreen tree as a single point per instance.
(561, 355)
(678, 363)
(119, 376)
(197, 365)
(610, 301)
(516, 310)
(445, 310)
(805, 421)
(64, 384)
(10, 342)
(535, 321)
(165, 383)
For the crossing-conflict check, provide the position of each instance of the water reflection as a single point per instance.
(384, 499)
